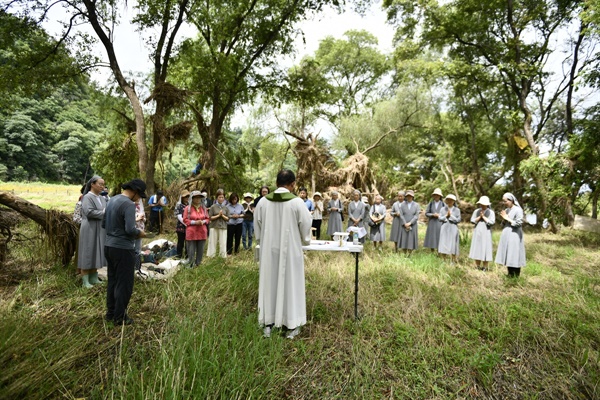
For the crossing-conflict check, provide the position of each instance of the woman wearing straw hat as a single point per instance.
(481, 246)
(317, 214)
(511, 248)
(196, 219)
(449, 235)
(434, 208)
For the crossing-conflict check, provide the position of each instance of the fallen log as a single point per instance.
(58, 226)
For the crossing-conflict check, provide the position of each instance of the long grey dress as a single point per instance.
(481, 245)
(511, 248)
(91, 234)
(335, 217)
(432, 236)
(377, 233)
(396, 223)
(409, 214)
(356, 210)
(449, 235)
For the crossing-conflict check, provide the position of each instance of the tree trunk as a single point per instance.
(62, 232)
(595, 203)
(128, 88)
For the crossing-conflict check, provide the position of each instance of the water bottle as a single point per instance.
(355, 238)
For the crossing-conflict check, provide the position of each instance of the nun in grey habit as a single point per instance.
(409, 217)
(481, 246)
(334, 209)
(449, 235)
(377, 218)
(356, 212)
(90, 254)
(396, 223)
(511, 248)
(432, 212)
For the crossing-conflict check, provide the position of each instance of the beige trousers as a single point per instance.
(217, 236)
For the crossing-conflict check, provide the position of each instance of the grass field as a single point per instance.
(428, 330)
(45, 195)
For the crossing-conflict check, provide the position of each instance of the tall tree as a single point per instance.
(513, 41)
(235, 56)
(355, 68)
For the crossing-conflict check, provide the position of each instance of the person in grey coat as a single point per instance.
(511, 248)
(481, 246)
(449, 235)
(396, 223)
(432, 212)
(377, 221)
(90, 253)
(334, 209)
(356, 212)
(409, 234)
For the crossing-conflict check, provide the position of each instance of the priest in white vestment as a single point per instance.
(282, 225)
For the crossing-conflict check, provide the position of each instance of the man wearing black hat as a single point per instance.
(119, 249)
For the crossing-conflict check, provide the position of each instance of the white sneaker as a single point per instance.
(293, 333)
(267, 332)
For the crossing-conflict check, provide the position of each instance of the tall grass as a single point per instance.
(428, 329)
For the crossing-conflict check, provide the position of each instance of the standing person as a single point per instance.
(248, 224)
(409, 217)
(481, 246)
(377, 217)
(121, 233)
(219, 215)
(317, 214)
(90, 254)
(449, 241)
(432, 212)
(234, 224)
(264, 190)
(184, 199)
(195, 218)
(156, 202)
(511, 248)
(303, 193)
(334, 209)
(356, 212)
(282, 226)
(396, 221)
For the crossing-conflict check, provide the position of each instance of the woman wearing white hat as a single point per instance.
(432, 212)
(511, 248)
(317, 214)
(481, 246)
(449, 235)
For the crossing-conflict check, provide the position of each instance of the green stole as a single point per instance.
(280, 197)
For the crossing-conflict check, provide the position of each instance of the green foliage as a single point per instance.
(355, 69)
(31, 62)
(51, 138)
